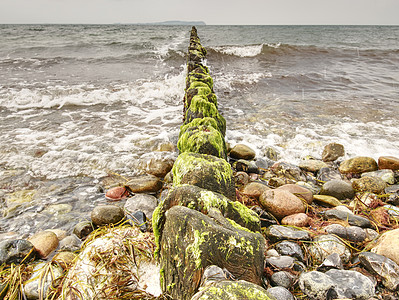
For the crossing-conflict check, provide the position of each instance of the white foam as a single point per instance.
(241, 51)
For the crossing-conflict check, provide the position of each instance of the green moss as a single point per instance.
(209, 122)
(209, 200)
(156, 227)
(203, 139)
(237, 226)
(187, 162)
(197, 97)
(205, 78)
(247, 215)
(198, 84)
(162, 278)
(193, 250)
(170, 286)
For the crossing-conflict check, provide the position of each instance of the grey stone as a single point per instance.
(386, 175)
(351, 284)
(83, 229)
(280, 293)
(333, 261)
(291, 249)
(15, 251)
(70, 243)
(317, 285)
(212, 274)
(327, 174)
(350, 233)
(246, 166)
(352, 219)
(282, 278)
(338, 188)
(141, 202)
(392, 210)
(107, 214)
(139, 219)
(324, 245)
(279, 233)
(280, 262)
(382, 266)
(41, 279)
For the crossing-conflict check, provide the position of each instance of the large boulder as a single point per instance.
(191, 241)
(202, 139)
(358, 165)
(205, 171)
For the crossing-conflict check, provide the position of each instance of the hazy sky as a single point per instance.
(210, 11)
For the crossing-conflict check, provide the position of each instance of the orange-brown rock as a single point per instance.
(255, 189)
(358, 165)
(44, 242)
(388, 162)
(281, 203)
(298, 191)
(297, 220)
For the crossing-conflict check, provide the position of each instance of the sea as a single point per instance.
(81, 102)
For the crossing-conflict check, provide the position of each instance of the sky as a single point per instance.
(212, 12)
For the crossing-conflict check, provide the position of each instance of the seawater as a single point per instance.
(78, 102)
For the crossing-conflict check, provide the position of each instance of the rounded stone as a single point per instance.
(145, 184)
(255, 189)
(83, 229)
(388, 245)
(44, 242)
(327, 174)
(282, 278)
(64, 259)
(106, 214)
(312, 165)
(338, 188)
(159, 167)
(358, 165)
(241, 151)
(327, 200)
(280, 262)
(15, 251)
(281, 203)
(297, 220)
(298, 191)
(388, 162)
(70, 243)
(369, 184)
(316, 285)
(332, 152)
(324, 245)
(291, 249)
(117, 193)
(280, 293)
(142, 202)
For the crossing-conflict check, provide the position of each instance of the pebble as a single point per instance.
(280, 262)
(247, 166)
(83, 229)
(324, 245)
(350, 233)
(16, 251)
(333, 261)
(255, 189)
(45, 242)
(312, 165)
(332, 152)
(280, 293)
(117, 193)
(107, 214)
(282, 278)
(388, 245)
(64, 259)
(388, 176)
(296, 220)
(241, 151)
(338, 188)
(70, 243)
(141, 202)
(139, 219)
(381, 266)
(388, 162)
(369, 184)
(317, 285)
(351, 218)
(327, 200)
(279, 233)
(290, 249)
(145, 184)
(298, 191)
(327, 174)
(281, 203)
(358, 165)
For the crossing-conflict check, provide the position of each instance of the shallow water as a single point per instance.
(78, 102)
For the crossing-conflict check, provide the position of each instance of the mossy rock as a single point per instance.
(202, 139)
(203, 200)
(191, 241)
(193, 77)
(233, 290)
(201, 108)
(211, 98)
(209, 122)
(205, 171)
(195, 56)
